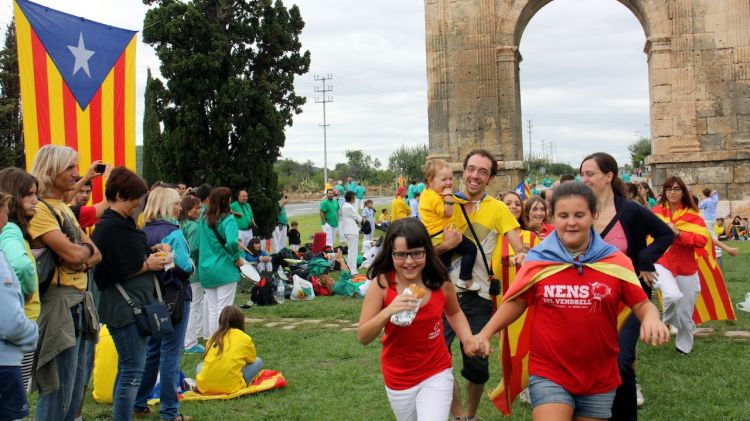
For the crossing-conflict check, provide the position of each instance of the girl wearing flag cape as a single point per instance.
(573, 286)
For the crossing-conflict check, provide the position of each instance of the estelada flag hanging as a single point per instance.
(77, 86)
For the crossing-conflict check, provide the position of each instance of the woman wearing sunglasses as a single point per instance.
(415, 360)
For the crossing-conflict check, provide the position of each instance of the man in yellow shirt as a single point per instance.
(492, 221)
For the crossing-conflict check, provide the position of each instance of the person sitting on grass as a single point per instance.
(738, 229)
(384, 220)
(436, 213)
(254, 254)
(230, 362)
(720, 229)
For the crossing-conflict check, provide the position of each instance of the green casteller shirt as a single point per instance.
(330, 209)
(246, 220)
(216, 260)
(340, 188)
(189, 229)
(359, 192)
(351, 186)
(282, 219)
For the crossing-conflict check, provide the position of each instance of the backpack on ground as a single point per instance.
(262, 293)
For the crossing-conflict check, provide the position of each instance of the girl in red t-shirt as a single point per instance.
(415, 361)
(573, 284)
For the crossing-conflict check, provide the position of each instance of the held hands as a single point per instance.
(654, 331)
(518, 259)
(477, 346)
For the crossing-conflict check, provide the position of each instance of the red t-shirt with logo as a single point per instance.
(574, 330)
(414, 353)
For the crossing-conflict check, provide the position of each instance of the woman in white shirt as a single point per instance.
(349, 228)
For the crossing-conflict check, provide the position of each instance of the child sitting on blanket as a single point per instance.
(230, 362)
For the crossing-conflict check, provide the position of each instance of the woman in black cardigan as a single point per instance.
(625, 224)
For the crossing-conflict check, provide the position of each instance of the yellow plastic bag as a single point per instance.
(105, 367)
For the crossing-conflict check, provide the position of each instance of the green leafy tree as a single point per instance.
(152, 130)
(11, 126)
(408, 161)
(229, 67)
(639, 150)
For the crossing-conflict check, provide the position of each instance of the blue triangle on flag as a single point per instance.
(83, 51)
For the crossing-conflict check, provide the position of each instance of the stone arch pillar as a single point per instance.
(698, 54)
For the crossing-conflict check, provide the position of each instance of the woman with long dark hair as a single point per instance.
(190, 211)
(415, 360)
(219, 255)
(678, 268)
(625, 225)
(14, 243)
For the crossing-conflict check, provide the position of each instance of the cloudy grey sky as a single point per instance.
(583, 75)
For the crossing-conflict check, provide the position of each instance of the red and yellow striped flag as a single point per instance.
(713, 302)
(77, 86)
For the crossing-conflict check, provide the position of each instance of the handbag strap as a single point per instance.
(479, 243)
(130, 301)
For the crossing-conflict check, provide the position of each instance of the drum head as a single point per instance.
(249, 272)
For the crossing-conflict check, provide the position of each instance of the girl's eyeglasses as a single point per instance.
(416, 254)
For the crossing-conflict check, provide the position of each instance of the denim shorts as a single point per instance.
(13, 404)
(594, 406)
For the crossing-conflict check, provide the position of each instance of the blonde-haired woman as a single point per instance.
(163, 354)
(64, 334)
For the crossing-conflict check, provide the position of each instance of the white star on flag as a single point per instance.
(82, 56)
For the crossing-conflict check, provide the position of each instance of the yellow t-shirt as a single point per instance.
(399, 209)
(223, 375)
(44, 222)
(33, 307)
(719, 229)
(491, 220)
(432, 213)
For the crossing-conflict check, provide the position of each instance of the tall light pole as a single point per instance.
(324, 99)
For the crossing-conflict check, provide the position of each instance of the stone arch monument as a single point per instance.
(698, 54)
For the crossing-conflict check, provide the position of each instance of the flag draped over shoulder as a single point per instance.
(547, 259)
(77, 86)
(713, 302)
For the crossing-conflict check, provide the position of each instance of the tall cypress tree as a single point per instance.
(11, 127)
(151, 130)
(229, 67)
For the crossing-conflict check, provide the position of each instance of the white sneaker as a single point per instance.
(745, 305)
(639, 399)
(282, 274)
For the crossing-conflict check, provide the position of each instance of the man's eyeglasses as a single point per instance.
(416, 254)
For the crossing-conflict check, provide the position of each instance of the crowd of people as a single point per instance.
(481, 263)
(569, 257)
(165, 247)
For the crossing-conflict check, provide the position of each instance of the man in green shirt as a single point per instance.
(329, 217)
(340, 188)
(243, 213)
(350, 185)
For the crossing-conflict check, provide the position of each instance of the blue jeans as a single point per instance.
(544, 391)
(63, 404)
(131, 359)
(163, 357)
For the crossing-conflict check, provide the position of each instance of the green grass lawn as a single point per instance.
(333, 377)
